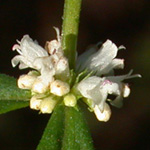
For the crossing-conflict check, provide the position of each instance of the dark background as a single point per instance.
(125, 22)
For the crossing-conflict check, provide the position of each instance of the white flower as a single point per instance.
(48, 63)
(92, 88)
(29, 50)
(101, 62)
(97, 88)
(45, 65)
(33, 56)
(50, 82)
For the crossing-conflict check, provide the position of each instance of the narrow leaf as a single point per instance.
(9, 105)
(9, 89)
(76, 133)
(52, 137)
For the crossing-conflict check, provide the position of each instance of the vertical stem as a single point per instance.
(76, 133)
(70, 29)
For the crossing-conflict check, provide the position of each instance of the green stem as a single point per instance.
(70, 29)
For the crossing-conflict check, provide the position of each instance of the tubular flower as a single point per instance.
(98, 88)
(50, 65)
(53, 82)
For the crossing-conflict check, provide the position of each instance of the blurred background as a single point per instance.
(125, 22)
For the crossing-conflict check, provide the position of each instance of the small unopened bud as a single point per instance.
(52, 46)
(39, 86)
(26, 81)
(103, 116)
(59, 88)
(47, 105)
(35, 103)
(126, 91)
(70, 100)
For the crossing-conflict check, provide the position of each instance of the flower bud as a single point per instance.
(70, 100)
(39, 86)
(52, 46)
(102, 116)
(26, 81)
(47, 105)
(126, 91)
(59, 88)
(35, 103)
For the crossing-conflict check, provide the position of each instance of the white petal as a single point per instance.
(121, 47)
(116, 88)
(126, 91)
(118, 102)
(62, 69)
(81, 65)
(112, 87)
(122, 77)
(46, 67)
(114, 64)
(91, 88)
(118, 63)
(103, 116)
(102, 58)
(23, 66)
(29, 51)
(42, 62)
(31, 48)
(15, 61)
(58, 34)
(88, 84)
(24, 63)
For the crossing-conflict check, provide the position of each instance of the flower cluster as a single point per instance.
(49, 80)
(52, 81)
(102, 85)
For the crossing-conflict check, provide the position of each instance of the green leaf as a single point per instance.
(66, 130)
(11, 97)
(76, 132)
(9, 105)
(10, 91)
(52, 137)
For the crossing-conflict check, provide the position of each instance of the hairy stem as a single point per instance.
(70, 29)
